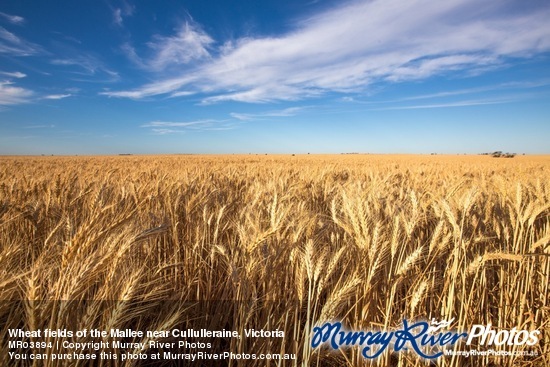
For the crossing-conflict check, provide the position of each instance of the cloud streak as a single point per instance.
(13, 95)
(465, 103)
(348, 48)
(15, 74)
(287, 112)
(171, 127)
(57, 96)
(188, 45)
(125, 10)
(13, 19)
(87, 65)
(494, 89)
(13, 45)
(50, 126)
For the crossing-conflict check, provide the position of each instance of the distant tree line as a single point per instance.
(500, 154)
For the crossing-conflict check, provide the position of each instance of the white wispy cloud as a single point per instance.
(198, 123)
(13, 19)
(287, 112)
(463, 103)
(132, 55)
(117, 16)
(189, 44)
(13, 74)
(57, 96)
(12, 95)
(172, 127)
(420, 69)
(347, 48)
(51, 126)
(87, 65)
(119, 13)
(182, 93)
(163, 87)
(14, 45)
(495, 89)
(165, 131)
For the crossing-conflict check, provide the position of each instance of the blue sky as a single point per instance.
(227, 76)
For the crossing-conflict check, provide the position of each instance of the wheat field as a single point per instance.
(276, 242)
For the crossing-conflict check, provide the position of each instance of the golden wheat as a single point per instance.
(275, 242)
